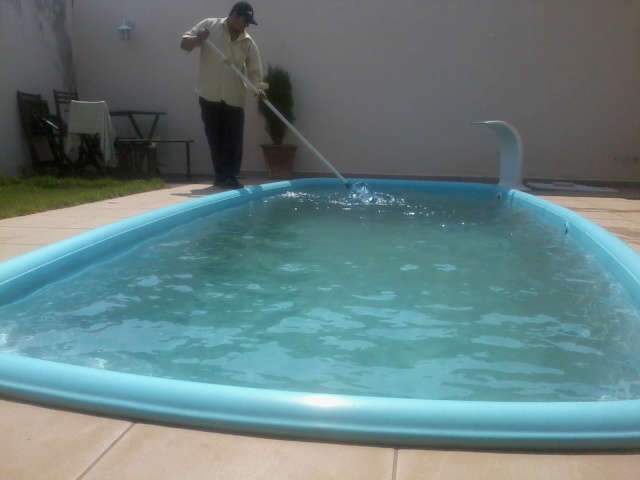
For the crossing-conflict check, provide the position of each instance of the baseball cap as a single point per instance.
(244, 9)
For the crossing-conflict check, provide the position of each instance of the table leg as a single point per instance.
(153, 127)
(136, 126)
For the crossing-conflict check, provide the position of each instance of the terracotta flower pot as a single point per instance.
(279, 159)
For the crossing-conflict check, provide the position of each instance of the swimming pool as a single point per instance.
(481, 318)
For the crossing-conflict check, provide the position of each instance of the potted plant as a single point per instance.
(278, 156)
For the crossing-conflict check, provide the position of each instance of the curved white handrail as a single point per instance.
(511, 153)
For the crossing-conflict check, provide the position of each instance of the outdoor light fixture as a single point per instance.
(125, 29)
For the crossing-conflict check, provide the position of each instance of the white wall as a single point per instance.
(391, 87)
(35, 48)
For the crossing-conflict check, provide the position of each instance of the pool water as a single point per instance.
(416, 295)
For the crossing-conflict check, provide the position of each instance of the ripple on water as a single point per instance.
(495, 341)
(348, 345)
(409, 268)
(445, 267)
(384, 296)
(150, 281)
(291, 267)
(98, 308)
(180, 288)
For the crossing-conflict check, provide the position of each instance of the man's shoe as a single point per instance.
(219, 182)
(232, 183)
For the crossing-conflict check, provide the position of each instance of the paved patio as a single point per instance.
(43, 443)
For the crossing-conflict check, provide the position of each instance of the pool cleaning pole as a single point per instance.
(280, 116)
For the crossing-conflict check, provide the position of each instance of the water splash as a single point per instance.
(361, 194)
(360, 191)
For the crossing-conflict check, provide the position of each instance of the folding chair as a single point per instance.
(62, 100)
(43, 133)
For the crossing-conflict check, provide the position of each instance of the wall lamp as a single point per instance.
(125, 29)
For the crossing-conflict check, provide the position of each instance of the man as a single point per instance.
(221, 91)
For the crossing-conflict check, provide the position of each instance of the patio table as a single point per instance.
(131, 114)
(148, 139)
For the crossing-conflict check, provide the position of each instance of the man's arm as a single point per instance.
(197, 35)
(254, 70)
(188, 43)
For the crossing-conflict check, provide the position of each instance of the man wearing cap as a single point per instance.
(221, 91)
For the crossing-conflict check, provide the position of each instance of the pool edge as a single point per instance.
(372, 420)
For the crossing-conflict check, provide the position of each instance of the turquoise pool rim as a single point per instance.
(606, 425)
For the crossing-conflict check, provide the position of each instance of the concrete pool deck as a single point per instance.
(43, 443)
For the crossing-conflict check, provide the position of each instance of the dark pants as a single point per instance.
(224, 126)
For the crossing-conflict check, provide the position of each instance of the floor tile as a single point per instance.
(9, 251)
(36, 236)
(158, 453)
(443, 465)
(42, 443)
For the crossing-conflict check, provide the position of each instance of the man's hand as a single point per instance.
(261, 90)
(202, 36)
(189, 43)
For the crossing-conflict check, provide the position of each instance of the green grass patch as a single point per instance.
(22, 196)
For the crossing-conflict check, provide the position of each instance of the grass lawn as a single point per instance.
(21, 196)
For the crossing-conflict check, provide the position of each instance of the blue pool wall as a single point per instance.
(610, 425)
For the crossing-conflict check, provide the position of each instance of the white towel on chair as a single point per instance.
(90, 118)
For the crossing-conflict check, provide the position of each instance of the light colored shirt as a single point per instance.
(217, 81)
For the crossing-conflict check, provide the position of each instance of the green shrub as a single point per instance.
(280, 95)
